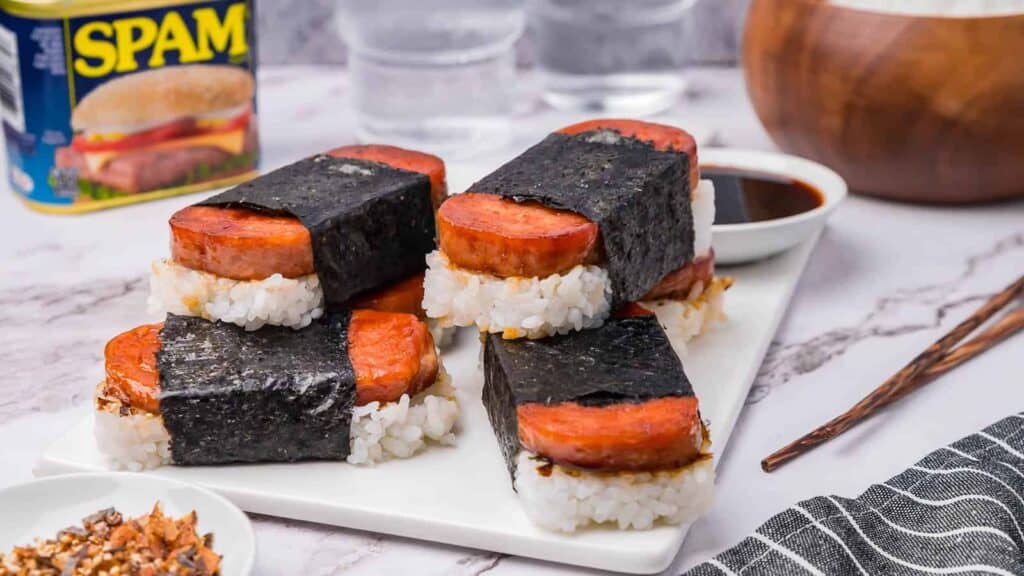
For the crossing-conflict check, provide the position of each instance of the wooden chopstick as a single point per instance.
(1006, 326)
(935, 360)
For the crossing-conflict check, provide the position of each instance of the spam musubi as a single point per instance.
(313, 235)
(360, 386)
(597, 215)
(599, 426)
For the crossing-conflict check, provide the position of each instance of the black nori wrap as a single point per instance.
(626, 360)
(638, 196)
(370, 224)
(273, 395)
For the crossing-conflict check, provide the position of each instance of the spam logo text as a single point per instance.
(130, 43)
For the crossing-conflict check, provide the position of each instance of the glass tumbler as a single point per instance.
(612, 56)
(436, 75)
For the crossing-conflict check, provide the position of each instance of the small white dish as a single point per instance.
(42, 507)
(739, 243)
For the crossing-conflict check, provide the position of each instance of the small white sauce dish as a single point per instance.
(42, 507)
(747, 242)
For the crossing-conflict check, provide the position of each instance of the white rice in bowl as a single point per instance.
(136, 440)
(567, 499)
(684, 320)
(251, 304)
(947, 8)
(516, 307)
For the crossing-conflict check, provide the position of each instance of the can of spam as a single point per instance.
(112, 102)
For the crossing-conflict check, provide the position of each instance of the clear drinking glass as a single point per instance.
(624, 56)
(437, 75)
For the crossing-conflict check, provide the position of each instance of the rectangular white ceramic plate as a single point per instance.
(462, 495)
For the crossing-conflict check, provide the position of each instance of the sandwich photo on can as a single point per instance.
(162, 129)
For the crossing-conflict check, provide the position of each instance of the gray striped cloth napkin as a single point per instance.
(960, 510)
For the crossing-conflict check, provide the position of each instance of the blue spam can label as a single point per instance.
(103, 106)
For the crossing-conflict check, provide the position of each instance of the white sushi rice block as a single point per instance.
(684, 320)
(566, 499)
(515, 307)
(130, 439)
(702, 201)
(400, 429)
(277, 301)
(136, 440)
(251, 304)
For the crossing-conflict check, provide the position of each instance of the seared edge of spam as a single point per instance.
(228, 395)
(628, 360)
(370, 223)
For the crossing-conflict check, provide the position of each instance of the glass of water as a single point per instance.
(437, 75)
(612, 56)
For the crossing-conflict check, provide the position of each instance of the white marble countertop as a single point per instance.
(885, 281)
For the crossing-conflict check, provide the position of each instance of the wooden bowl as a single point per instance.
(923, 109)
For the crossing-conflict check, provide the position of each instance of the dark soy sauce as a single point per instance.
(743, 196)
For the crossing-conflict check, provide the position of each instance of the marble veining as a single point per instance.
(61, 362)
(906, 310)
(476, 565)
(59, 303)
